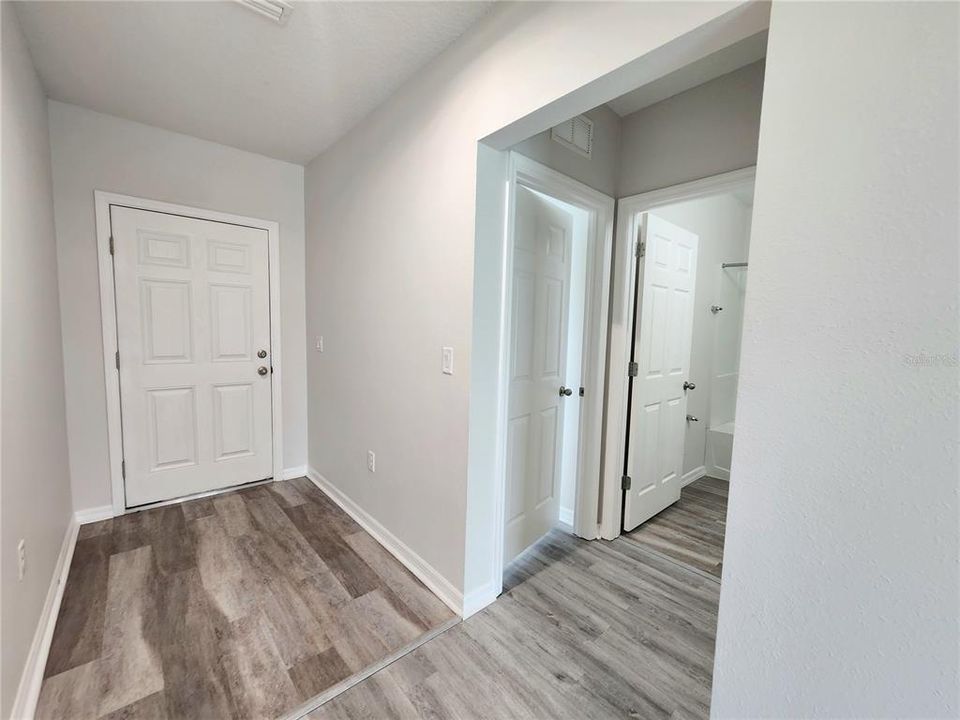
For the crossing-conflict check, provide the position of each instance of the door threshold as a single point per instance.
(194, 496)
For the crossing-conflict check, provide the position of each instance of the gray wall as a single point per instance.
(840, 575)
(599, 171)
(707, 130)
(91, 152)
(35, 492)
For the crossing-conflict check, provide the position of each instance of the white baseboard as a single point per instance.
(695, 474)
(294, 472)
(94, 514)
(477, 600)
(427, 574)
(719, 473)
(566, 517)
(28, 692)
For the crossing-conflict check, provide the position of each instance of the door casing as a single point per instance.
(108, 321)
(629, 210)
(531, 174)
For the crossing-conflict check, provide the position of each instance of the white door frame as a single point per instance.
(108, 320)
(628, 214)
(524, 171)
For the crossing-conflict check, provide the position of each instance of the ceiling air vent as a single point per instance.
(276, 10)
(575, 134)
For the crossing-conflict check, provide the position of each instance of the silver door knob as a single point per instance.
(687, 385)
(262, 370)
(262, 354)
(691, 418)
(565, 391)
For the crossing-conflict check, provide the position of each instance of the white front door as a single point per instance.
(193, 324)
(538, 351)
(658, 406)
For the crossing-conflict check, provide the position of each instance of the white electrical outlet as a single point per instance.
(319, 343)
(447, 364)
(371, 461)
(21, 558)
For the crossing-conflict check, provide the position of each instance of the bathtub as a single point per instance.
(719, 450)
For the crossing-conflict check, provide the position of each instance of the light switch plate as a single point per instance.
(447, 365)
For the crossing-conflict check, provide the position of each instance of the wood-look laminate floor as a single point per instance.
(691, 530)
(583, 630)
(242, 605)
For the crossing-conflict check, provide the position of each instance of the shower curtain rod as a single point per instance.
(726, 265)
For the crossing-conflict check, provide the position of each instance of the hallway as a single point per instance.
(583, 629)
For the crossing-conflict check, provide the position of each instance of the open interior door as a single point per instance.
(658, 407)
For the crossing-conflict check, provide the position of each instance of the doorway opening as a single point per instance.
(689, 285)
(559, 242)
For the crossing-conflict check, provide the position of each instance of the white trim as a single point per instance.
(293, 472)
(425, 572)
(719, 473)
(28, 692)
(566, 517)
(528, 173)
(629, 210)
(693, 475)
(108, 319)
(94, 514)
(474, 602)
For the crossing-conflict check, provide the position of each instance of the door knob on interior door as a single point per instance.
(262, 354)
(565, 391)
(692, 418)
(262, 370)
(687, 385)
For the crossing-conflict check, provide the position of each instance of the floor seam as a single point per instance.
(341, 687)
(667, 558)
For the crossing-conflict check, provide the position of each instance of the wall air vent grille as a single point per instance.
(575, 134)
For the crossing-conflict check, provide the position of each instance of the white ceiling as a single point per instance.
(731, 58)
(218, 71)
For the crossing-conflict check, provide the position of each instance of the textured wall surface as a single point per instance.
(840, 575)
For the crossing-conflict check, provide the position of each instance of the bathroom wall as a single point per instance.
(722, 222)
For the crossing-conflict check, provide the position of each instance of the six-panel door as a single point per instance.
(538, 359)
(658, 415)
(193, 312)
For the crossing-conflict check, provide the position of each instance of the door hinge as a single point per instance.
(641, 248)
(117, 359)
(625, 482)
(581, 391)
(111, 244)
(123, 469)
(633, 369)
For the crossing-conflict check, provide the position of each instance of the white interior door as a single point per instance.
(193, 320)
(658, 414)
(538, 358)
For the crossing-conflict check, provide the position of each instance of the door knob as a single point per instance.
(565, 391)
(687, 385)
(262, 354)
(691, 418)
(262, 370)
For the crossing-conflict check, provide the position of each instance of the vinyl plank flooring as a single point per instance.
(583, 630)
(242, 605)
(691, 531)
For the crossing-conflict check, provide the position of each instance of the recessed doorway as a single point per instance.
(558, 257)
